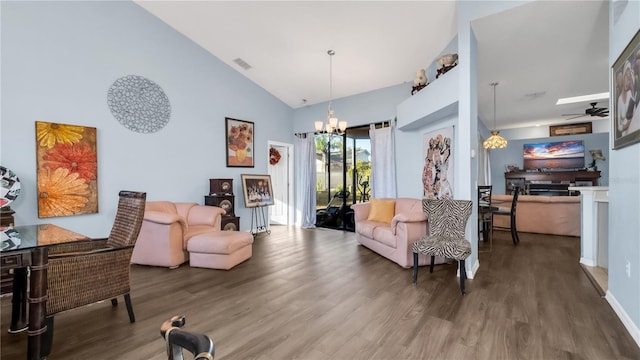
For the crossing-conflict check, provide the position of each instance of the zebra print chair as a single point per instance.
(447, 222)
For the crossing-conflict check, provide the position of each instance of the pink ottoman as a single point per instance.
(219, 249)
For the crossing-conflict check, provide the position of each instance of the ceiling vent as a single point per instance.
(243, 64)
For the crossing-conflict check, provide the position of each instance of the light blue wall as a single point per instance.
(376, 106)
(624, 192)
(59, 60)
(512, 154)
(361, 109)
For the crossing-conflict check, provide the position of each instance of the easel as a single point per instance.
(260, 220)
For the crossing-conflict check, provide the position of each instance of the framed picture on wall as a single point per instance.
(437, 173)
(625, 75)
(257, 190)
(67, 164)
(570, 129)
(239, 140)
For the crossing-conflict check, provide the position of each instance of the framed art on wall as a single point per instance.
(257, 190)
(570, 129)
(239, 140)
(437, 173)
(67, 162)
(625, 75)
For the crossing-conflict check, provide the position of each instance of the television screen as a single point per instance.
(554, 155)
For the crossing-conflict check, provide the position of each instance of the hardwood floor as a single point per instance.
(316, 294)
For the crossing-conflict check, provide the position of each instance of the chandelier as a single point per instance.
(332, 125)
(495, 141)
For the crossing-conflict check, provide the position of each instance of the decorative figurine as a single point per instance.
(420, 81)
(447, 62)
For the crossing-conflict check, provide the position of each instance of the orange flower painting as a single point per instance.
(239, 143)
(67, 169)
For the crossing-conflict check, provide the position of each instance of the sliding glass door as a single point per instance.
(343, 166)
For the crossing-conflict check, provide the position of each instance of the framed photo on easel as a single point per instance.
(257, 190)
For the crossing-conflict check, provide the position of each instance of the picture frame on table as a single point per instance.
(257, 190)
(625, 78)
(239, 143)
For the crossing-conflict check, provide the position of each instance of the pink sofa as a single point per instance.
(167, 228)
(555, 215)
(394, 240)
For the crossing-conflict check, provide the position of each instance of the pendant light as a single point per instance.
(495, 141)
(332, 126)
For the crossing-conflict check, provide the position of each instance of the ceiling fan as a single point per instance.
(592, 111)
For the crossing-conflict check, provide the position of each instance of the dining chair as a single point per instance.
(85, 272)
(511, 212)
(447, 222)
(485, 218)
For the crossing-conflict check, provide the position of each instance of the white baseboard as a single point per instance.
(588, 262)
(474, 269)
(470, 273)
(624, 317)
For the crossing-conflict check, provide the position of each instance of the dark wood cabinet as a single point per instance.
(230, 223)
(221, 195)
(226, 202)
(220, 186)
(6, 216)
(549, 182)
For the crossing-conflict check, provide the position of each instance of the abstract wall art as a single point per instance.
(437, 173)
(139, 104)
(67, 163)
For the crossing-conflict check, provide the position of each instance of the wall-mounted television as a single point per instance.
(554, 155)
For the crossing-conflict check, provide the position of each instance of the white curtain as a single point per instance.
(306, 174)
(383, 164)
(484, 164)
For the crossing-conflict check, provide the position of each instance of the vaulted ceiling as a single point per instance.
(537, 52)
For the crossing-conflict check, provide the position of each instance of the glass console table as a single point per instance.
(25, 247)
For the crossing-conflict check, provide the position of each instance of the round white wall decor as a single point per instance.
(139, 104)
(10, 188)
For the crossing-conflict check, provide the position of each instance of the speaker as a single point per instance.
(225, 202)
(230, 223)
(221, 186)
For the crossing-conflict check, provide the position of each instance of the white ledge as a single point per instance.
(436, 101)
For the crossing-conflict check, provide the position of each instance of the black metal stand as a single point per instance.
(260, 220)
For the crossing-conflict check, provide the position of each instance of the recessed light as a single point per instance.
(575, 99)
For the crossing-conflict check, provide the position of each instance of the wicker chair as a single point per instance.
(447, 222)
(85, 272)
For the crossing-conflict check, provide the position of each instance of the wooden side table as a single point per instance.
(6, 216)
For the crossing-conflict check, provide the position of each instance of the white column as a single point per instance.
(593, 232)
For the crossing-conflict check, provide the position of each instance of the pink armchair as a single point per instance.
(393, 240)
(167, 228)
